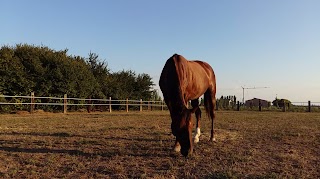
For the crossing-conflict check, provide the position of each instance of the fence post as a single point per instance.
(110, 110)
(260, 106)
(32, 103)
(238, 105)
(140, 105)
(89, 105)
(65, 103)
(217, 105)
(148, 105)
(309, 106)
(127, 105)
(152, 105)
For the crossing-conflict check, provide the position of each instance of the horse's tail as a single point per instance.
(209, 103)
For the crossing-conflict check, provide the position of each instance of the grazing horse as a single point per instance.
(180, 81)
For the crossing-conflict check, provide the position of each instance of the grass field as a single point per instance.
(139, 145)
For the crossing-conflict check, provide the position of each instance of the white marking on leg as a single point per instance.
(196, 137)
(213, 139)
(177, 148)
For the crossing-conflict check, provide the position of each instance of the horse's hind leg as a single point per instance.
(195, 104)
(212, 138)
(213, 117)
(210, 105)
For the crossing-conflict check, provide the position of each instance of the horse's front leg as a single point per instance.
(198, 131)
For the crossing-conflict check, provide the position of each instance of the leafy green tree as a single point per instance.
(281, 102)
(122, 85)
(142, 87)
(226, 102)
(155, 96)
(101, 72)
(13, 74)
(26, 68)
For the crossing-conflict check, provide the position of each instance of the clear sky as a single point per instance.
(248, 43)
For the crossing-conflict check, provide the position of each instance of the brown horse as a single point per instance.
(180, 81)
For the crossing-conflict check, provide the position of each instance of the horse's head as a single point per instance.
(181, 127)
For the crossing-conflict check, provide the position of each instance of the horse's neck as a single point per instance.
(178, 109)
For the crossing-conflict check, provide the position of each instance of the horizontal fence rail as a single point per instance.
(305, 104)
(88, 103)
(292, 106)
(32, 102)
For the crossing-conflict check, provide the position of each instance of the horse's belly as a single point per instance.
(195, 92)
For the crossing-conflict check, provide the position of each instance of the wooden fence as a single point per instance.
(294, 106)
(88, 103)
(92, 104)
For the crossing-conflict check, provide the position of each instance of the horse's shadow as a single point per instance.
(137, 142)
(44, 150)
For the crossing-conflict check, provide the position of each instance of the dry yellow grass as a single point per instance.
(139, 145)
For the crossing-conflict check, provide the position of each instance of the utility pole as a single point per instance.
(243, 88)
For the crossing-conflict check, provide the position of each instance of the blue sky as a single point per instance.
(249, 43)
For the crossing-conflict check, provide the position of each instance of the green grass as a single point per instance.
(139, 145)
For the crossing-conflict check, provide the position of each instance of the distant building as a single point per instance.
(255, 103)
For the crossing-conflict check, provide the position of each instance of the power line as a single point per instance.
(243, 88)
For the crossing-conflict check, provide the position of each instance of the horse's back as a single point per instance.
(197, 77)
(201, 68)
(191, 78)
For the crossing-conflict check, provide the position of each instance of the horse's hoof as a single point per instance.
(177, 148)
(197, 136)
(196, 140)
(213, 139)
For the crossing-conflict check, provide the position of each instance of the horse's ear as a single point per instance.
(193, 110)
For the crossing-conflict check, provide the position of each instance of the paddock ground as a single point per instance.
(139, 145)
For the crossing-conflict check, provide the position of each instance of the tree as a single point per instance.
(143, 86)
(155, 95)
(281, 102)
(27, 68)
(226, 102)
(13, 74)
(101, 72)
